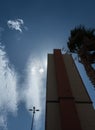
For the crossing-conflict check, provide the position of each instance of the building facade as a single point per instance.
(68, 105)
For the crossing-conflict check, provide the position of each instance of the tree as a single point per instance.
(82, 42)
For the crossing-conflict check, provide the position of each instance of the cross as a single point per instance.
(33, 111)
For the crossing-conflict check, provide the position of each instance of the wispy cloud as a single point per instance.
(3, 122)
(32, 89)
(16, 24)
(8, 88)
(33, 92)
(10, 94)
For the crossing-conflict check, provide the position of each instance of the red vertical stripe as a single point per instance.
(69, 115)
(61, 75)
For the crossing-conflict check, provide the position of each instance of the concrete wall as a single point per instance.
(52, 92)
(77, 86)
(52, 104)
(53, 121)
(81, 101)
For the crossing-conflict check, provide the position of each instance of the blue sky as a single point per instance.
(28, 31)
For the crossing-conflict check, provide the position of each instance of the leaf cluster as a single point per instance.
(77, 35)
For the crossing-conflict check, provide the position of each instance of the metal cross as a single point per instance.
(33, 110)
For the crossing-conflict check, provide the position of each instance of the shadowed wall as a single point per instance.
(68, 105)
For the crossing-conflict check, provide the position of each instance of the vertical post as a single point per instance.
(33, 110)
(33, 118)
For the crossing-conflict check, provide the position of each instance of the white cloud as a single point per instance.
(8, 88)
(34, 85)
(16, 24)
(3, 122)
(32, 93)
(9, 95)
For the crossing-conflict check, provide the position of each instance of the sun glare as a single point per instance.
(41, 70)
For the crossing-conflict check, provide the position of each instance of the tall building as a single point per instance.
(68, 105)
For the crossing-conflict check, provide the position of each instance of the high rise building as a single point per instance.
(68, 105)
